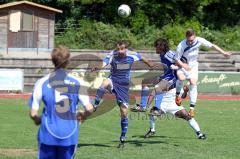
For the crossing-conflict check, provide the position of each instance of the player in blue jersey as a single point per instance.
(59, 121)
(167, 79)
(120, 60)
(165, 92)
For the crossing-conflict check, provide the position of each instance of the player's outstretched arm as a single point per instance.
(225, 53)
(149, 64)
(35, 117)
(96, 68)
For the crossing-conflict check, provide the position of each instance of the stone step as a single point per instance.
(222, 65)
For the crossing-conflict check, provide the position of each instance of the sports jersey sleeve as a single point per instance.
(179, 52)
(108, 59)
(35, 100)
(204, 42)
(170, 56)
(83, 95)
(136, 56)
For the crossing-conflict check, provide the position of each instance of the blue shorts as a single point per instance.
(56, 152)
(121, 92)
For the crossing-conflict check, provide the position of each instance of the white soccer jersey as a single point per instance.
(190, 53)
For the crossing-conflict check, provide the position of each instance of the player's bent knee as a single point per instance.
(181, 76)
(183, 114)
(123, 110)
(193, 82)
(105, 83)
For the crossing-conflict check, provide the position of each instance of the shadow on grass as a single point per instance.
(155, 136)
(95, 145)
(143, 142)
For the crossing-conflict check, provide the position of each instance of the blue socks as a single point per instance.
(144, 97)
(98, 98)
(158, 100)
(124, 126)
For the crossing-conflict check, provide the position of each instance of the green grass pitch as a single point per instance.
(99, 136)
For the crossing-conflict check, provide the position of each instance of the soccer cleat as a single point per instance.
(94, 108)
(202, 136)
(185, 91)
(121, 142)
(192, 113)
(178, 100)
(149, 133)
(138, 108)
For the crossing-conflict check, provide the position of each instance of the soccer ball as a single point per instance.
(124, 10)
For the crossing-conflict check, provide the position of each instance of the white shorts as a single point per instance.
(168, 104)
(192, 74)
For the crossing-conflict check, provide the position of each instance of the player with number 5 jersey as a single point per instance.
(59, 122)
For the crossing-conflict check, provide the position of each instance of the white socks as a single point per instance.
(193, 94)
(192, 122)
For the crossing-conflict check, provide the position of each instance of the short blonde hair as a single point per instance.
(60, 56)
(190, 32)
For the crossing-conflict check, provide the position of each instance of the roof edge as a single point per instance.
(6, 5)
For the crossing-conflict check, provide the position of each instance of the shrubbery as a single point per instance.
(98, 35)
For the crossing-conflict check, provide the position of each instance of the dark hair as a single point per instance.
(190, 32)
(60, 56)
(162, 43)
(122, 42)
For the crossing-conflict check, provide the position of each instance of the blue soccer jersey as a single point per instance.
(120, 73)
(121, 66)
(60, 94)
(167, 60)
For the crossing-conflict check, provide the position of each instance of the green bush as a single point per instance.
(98, 35)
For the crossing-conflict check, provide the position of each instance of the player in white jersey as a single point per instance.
(59, 128)
(187, 51)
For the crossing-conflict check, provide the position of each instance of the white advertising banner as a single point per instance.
(11, 79)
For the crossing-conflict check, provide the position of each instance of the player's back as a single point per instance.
(59, 93)
(167, 60)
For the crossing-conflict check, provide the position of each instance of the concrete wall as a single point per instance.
(37, 65)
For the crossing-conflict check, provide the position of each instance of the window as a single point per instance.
(27, 21)
(21, 21)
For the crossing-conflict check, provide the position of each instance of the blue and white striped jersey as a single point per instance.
(121, 66)
(167, 60)
(190, 52)
(60, 94)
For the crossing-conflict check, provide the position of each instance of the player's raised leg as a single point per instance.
(101, 91)
(179, 86)
(155, 111)
(144, 100)
(193, 96)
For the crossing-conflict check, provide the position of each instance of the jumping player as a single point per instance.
(120, 60)
(188, 50)
(165, 92)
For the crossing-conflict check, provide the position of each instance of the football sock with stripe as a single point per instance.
(98, 98)
(152, 123)
(158, 100)
(193, 94)
(179, 85)
(193, 123)
(144, 97)
(124, 126)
